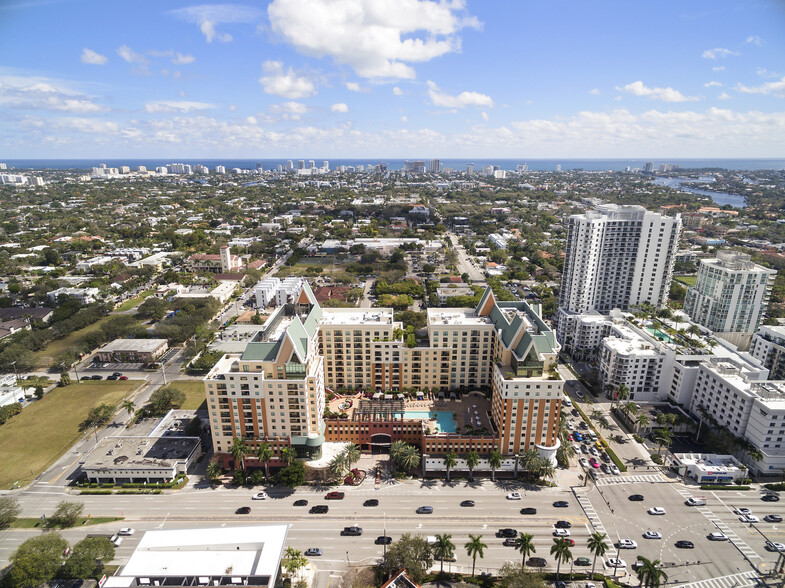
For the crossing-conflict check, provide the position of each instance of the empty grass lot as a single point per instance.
(194, 393)
(55, 348)
(687, 280)
(134, 302)
(32, 440)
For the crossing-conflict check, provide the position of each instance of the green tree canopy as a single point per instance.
(88, 557)
(411, 552)
(37, 560)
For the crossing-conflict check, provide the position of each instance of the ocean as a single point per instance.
(396, 164)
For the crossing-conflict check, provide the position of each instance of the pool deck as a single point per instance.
(463, 409)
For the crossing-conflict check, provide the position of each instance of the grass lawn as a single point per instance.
(34, 523)
(59, 346)
(34, 439)
(688, 280)
(132, 302)
(194, 393)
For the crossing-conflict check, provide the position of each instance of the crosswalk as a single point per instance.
(740, 580)
(594, 518)
(734, 538)
(616, 480)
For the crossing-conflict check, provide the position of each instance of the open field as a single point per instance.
(32, 440)
(687, 280)
(133, 302)
(55, 348)
(194, 393)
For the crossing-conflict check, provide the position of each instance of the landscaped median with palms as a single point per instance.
(47, 428)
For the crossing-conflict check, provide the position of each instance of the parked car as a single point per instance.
(615, 470)
(96, 377)
(584, 462)
(594, 463)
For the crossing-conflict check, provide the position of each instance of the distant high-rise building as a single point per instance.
(326, 165)
(220, 169)
(434, 166)
(470, 168)
(648, 168)
(3, 166)
(730, 293)
(522, 167)
(311, 164)
(259, 167)
(142, 169)
(289, 164)
(618, 257)
(280, 167)
(558, 167)
(408, 166)
(301, 164)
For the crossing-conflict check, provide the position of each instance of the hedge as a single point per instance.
(616, 460)
(775, 487)
(95, 492)
(723, 487)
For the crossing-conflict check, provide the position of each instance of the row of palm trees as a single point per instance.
(240, 450)
(530, 461)
(649, 572)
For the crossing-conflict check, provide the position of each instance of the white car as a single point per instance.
(570, 426)
(126, 531)
(652, 535)
(774, 546)
(584, 462)
(696, 502)
(594, 452)
(576, 447)
(613, 562)
(717, 536)
(749, 519)
(259, 496)
(514, 496)
(615, 470)
(627, 544)
(561, 532)
(656, 510)
(742, 511)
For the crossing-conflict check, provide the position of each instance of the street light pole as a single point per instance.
(13, 363)
(385, 534)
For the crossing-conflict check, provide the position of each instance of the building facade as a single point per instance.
(768, 347)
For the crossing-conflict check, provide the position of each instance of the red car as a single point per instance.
(594, 463)
(568, 541)
(334, 496)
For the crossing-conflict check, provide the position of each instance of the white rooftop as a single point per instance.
(356, 316)
(455, 316)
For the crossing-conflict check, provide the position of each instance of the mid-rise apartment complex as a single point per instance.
(731, 293)
(275, 389)
(768, 347)
(618, 257)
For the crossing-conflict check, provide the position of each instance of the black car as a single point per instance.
(383, 540)
(96, 377)
(118, 374)
(773, 518)
(507, 533)
(243, 510)
(467, 503)
(353, 531)
(85, 378)
(770, 498)
(574, 412)
(561, 504)
(563, 525)
(685, 544)
(536, 562)
(319, 509)
(371, 502)
(112, 377)
(529, 510)
(301, 503)
(636, 498)
(509, 542)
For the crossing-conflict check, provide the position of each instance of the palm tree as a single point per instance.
(288, 455)
(598, 547)
(264, 453)
(352, 453)
(641, 421)
(623, 393)
(561, 551)
(396, 450)
(238, 451)
(443, 549)
(410, 458)
(449, 462)
(475, 547)
(530, 460)
(630, 408)
(472, 459)
(597, 413)
(664, 437)
(128, 406)
(338, 465)
(524, 544)
(214, 470)
(650, 573)
(495, 461)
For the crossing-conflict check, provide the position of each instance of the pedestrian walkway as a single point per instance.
(733, 537)
(740, 580)
(593, 517)
(616, 480)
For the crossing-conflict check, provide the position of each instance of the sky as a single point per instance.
(392, 79)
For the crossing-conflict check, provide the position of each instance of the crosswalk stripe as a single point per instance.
(740, 580)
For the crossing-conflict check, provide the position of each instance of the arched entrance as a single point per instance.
(380, 443)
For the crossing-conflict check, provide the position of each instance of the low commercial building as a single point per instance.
(132, 350)
(150, 460)
(83, 295)
(710, 468)
(248, 556)
(9, 391)
(445, 294)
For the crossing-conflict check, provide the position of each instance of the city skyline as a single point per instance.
(452, 79)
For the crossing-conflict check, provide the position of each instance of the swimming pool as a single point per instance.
(444, 420)
(659, 334)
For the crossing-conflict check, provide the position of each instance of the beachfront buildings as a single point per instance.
(276, 388)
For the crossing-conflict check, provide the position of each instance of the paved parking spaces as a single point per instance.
(651, 478)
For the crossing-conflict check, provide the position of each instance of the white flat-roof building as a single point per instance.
(248, 556)
(88, 264)
(9, 391)
(138, 350)
(710, 468)
(83, 295)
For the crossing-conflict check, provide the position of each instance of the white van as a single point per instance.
(116, 540)
(695, 502)
(566, 401)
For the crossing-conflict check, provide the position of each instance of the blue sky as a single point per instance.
(392, 78)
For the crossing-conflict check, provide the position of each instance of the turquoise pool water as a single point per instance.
(659, 334)
(444, 420)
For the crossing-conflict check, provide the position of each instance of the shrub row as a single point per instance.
(723, 487)
(616, 460)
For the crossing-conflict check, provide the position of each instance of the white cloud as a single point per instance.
(594, 92)
(251, 120)
(285, 83)
(769, 88)
(25, 92)
(207, 16)
(355, 87)
(755, 40)
(232, 107)
(130, 55)
(404, 119)
(663, 94)
(462, 100)
(718, 68)
(92, 58)
(289, 110)
(340, 107)
(377, 38)
(764, 73)
(718, 53)
(712, 84)
(176, 106)
(180, 59)
(484, 116)
(397, 91)
(723, 96)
